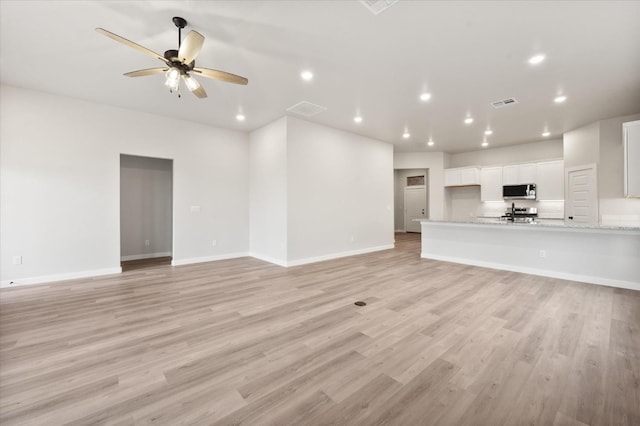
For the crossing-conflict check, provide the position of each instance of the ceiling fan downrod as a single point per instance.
(180, 23)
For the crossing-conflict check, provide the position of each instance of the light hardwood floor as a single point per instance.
(245, 342)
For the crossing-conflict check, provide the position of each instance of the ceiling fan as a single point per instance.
(178, 63)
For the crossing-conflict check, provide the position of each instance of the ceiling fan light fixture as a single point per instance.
(172, 80)
(192, 83)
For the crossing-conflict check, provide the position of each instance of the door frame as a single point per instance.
(567, 171)
(173, 201)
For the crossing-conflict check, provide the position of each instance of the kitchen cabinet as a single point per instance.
(550, 181)
(491, 184)
(462, 176)
(631, 135)
(519, 174)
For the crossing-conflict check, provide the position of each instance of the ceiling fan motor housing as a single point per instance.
(171, 55)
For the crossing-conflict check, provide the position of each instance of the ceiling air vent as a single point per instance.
(504, 102)
(306, 108)
(377, 6)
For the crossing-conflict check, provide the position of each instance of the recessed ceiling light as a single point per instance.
(468, 120)
(488, 132)
(306, 75)
(545, 134)
(357, 119)
(485, 143)
(425, 97)
(560, 99)
(536, 59)
(431, 142)
(406, 135)
(240, 117)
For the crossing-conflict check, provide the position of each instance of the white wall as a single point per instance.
(600, 143)
(523, 153)
(582, 146)
(146, 207)
(610, 172)
(59, 185)
(400, 183)
(435, 162)
(340, 192)
(268, 194)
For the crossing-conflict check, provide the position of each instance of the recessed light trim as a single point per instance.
(406, 135)
(357, 119)
(537, 59)
(468, 120)
(240, 117)
(306, 75)
(488, 132)
(485, 144)
(424, 97)
(546, 134)
(431, 142)
(560, 99)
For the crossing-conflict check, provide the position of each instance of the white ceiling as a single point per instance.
(466, 54)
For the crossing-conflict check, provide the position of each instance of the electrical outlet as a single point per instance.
(214, 243)
(146, 243)
(543, 253)
(16, 260)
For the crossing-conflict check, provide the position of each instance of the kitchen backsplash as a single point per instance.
(546, 209)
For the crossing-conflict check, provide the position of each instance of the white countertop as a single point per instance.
(547, 223)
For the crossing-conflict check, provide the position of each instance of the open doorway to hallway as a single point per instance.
(410, 199)
(146, 211)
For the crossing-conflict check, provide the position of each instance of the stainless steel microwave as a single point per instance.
(519, 192)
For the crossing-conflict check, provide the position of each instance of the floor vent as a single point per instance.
(377, 6)
(360, 303)
(306, 109)
(504, 102)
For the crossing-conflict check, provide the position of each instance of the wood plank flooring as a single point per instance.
(245, 342)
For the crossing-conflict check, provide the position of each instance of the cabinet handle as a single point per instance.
(570, 217)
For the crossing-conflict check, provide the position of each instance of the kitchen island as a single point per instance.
(605, 255)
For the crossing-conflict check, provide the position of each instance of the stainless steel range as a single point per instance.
(520, 214)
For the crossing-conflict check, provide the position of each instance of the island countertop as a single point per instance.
(605, 255)
(546, 223)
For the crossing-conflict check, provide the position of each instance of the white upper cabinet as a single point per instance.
(462, 176)
(510, 175)
(631, 135)
(491, 184)
(550, 181)
(519, 174)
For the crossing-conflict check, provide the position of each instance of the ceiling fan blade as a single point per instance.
(129, 43)
(193, 86)
(190, 47)
(221, 75)
(149, 71)
(199, 92)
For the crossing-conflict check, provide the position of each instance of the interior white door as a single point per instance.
(582, 200)
(415, 207)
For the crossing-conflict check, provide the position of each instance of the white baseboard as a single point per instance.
(192, 260)
(269, 259)
(338, 255)
(542, 272)
(145, 256)
(59, 277)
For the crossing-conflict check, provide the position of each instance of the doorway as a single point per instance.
(582, 197)
(146, 211)
(411, 199)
